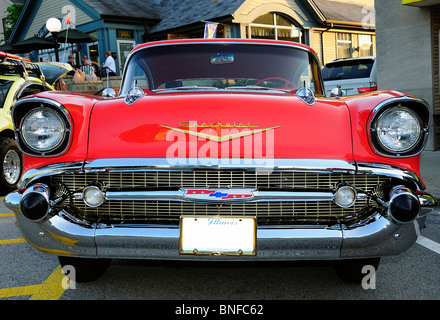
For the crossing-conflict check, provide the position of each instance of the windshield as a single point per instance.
(350, 69)
(4, 88)
(221, 66)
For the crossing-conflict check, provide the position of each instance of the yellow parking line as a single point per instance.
(6, 214)
(19, 291)
(51, 289)
(11, 241)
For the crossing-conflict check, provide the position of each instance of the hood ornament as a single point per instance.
(306, 94)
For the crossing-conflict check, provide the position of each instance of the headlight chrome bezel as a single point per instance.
(22, 110)
(58, 137)
(416, 108)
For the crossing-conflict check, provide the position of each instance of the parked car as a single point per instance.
(19, 78)
(352, 76)
(221, 150)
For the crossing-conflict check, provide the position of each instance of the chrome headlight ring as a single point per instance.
(43, 127)
(398, 128)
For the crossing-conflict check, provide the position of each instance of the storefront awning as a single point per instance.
(421, 3)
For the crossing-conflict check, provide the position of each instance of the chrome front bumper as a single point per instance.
(379, 235)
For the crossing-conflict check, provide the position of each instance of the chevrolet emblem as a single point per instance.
(221, 138)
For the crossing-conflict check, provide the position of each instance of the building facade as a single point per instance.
(4, 4)
(334, 28)
(408, 53)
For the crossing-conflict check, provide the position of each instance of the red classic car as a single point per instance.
(221, 150)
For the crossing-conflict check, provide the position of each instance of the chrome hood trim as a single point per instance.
(265, 165)
(261, 166)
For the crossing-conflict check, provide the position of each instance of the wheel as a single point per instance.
(352, 270)
(10, 164)
(85, 269)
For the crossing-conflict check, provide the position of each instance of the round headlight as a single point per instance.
(398, 129)
(43, 129)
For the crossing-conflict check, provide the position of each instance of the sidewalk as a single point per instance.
(430, 172)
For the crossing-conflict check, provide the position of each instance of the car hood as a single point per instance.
(220, 125)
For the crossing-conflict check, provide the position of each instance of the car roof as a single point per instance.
(351, 59)
(224, 40)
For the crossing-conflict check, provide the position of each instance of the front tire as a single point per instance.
(11, 164)
(352, 270)
(85, 269)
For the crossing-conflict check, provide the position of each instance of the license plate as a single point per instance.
(218, 235)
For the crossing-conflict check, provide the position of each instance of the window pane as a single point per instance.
(281, 21)
(284, 29)
(265, 19)
(343, 43)
(365, 45)
(262, 33)
(289, 34)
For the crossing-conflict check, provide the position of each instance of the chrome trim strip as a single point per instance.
(259, 165)
(390, 171)
(251, 165)
(47, 171)
(180, 196)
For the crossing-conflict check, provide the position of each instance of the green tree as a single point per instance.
(11, 18)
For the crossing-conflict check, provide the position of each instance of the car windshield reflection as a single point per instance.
(214, 66)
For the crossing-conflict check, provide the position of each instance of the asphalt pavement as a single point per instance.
(430, 172)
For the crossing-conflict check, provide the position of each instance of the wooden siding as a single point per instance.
(4, 4)
(49, 9)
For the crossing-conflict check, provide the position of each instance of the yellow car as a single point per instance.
(19, 77)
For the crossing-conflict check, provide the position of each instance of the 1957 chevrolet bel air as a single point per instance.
(222, 149)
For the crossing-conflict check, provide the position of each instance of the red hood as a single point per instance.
(164, 124)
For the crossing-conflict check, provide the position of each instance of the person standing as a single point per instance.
(71, 61)
(109, 64)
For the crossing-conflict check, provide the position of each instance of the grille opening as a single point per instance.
(267, 213)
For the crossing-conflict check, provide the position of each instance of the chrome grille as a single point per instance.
(266, 212)
(220, 179)
(168, 212)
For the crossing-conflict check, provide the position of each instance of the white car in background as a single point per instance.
(352, 75)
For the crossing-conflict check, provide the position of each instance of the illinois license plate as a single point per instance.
(218, 235)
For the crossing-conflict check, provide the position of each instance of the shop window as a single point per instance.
(274, 26)
(344, 45)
